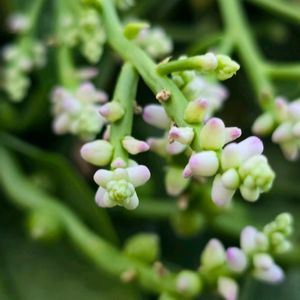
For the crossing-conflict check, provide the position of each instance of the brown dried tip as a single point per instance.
(163, 95)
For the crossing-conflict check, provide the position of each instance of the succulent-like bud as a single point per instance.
(98, 152)
(231, 179)
(155, 114)
(264, 124)
(175, 148)
(134, 146)
(132, 29)
(183, 135)
(112, 111)
(175, 183)
(226, 67)
(196, 111)
(212, 135)
(204, 163)
(207, 62)
(236, 259)
(232, 133)
(143, 247)
(213, 255)
(228, 288)
(188, 283)
(221, 195)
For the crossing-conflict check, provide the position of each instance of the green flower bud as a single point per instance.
(226, 67)
(112, 111)
(43, 225)
(143, 247)
(132, 29)
(213, 255)
(195, 111)
(188, 283)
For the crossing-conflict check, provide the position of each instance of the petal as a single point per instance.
(132, 202)
(220, 195)
(102, 177)
(138, 175)
(205, 163)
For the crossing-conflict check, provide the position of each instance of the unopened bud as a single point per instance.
(221, 195)
(112, 111)
(264, 124)
(213, 255)
(195, 111)
(134, 146)
(228, 288)
(175, 183)
(188, 283)
(98, 152)
(155, 114)
(232, 133)
(236, 259)
(226, 67)
(183, 135)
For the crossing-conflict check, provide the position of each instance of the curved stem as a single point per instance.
(124, 94)
(238, 29)
(285, 9)
(283, 71)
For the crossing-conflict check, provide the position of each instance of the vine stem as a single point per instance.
(283, 71)
(105, 256)
(124, 94)
(238, 29)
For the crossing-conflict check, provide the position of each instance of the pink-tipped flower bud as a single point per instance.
(264, 124)
(134, 146)
(204, 163)
(183, 135)
(232, 133)
(98, 152)
(236, 259)
(155, 115)
(228, 288)
(212, 135)
(220, 195)
(111, 111)
(250, 147)
(272, 275)
(196, 111)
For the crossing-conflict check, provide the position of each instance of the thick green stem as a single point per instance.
(124, 94)
(108, 258)
(34, 13)
(238, 29)
(283, 71)
(285, 9)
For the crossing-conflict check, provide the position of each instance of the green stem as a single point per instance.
(34, 13)
(283, 71)
(238, 29)
(285, 9)
(105, 256)
(124, 94)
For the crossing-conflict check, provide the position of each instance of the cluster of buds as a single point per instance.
(154, 41)
(284, 122)
(255, 256)
(236, 166)
(20, 59)
(77, 112)
(202, 93)
(85, 31)
(18, 23)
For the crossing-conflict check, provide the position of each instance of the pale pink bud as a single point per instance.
(230, 156)
(272, 275)
(118, 163)
(264, 124)
(212, 135)
(232, 133)
(175, 148)
(249, 147)
(155, 115)
(290, 149)
(195, 111)
(263, 261)
(283, 133)
(111, 111)
(220, 195)
(204, 163)
(236, 259)
(213, 255)
(248, 239)
(183, 135)
(187, 172)
(138, 175)
(98, 152)
(134, 146)
(102, 198)
(102, 177)
(228, 288)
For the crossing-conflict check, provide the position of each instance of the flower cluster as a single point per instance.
(86, 31)
(18, 23)
(236, 166)
(154, 41)
(77, 112)
(254, 256)
(20, 59)
(284, 122)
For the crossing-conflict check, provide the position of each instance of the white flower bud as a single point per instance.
(226, 67)
(212, 135)
(249, 147)
(112, 111)
(228, 288)
(264, 124)
(272, 275)
(98, 152)
(134, 146)
(183, 135)
(248, 239)
(195, 111)
(236, 259)
(283, 133)
(231, 179)
(204, 163)
(213, 255)
(220, 195)
(175, 148)
(232, 133)
(155, 114)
